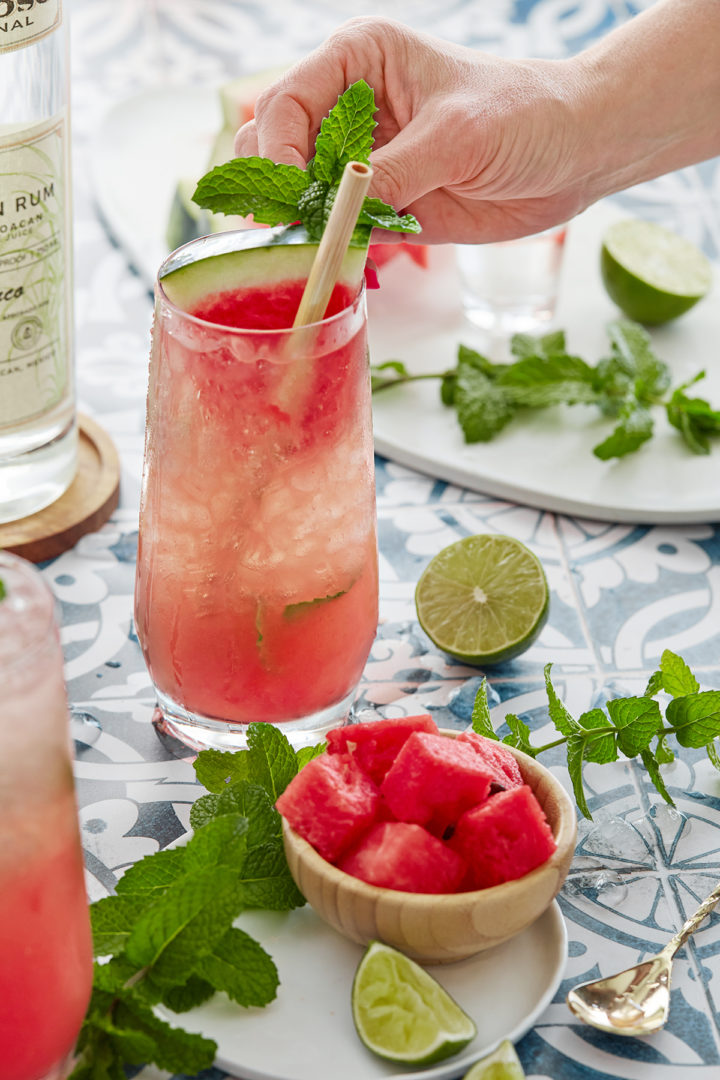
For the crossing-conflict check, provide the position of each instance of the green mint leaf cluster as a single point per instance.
(631, 726)
(168, 937)
(626, 385)
(284, 194)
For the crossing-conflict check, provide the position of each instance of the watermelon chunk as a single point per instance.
(505, 838)
(376, 744)
(434, 780)
(330, 803)
(504, 765)
(396, 855)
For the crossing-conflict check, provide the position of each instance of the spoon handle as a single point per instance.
(693, 922)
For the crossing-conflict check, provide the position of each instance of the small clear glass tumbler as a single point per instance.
(45, 943)
(512, 287)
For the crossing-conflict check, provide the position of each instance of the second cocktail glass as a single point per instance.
(256, 594)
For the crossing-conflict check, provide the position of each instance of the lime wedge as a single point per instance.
(483, 599)
(652, 274)
(402, 1014)
(503, 1064)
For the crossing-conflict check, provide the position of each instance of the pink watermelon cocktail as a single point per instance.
(256, 595)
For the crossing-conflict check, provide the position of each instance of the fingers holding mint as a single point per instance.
(279, 193)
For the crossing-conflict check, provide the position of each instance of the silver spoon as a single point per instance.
(636, 1001)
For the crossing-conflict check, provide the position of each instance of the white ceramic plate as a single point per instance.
(545, 460)
(307, 1033)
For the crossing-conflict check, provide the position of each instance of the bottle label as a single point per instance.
(25, 21)
(35, 308)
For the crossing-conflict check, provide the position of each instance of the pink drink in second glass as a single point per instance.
(45, 946)
(256, 595)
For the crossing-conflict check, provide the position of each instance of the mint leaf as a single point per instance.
(174, 1049)
(714, 755)
(194, 992)
(544, 346)
(663, 753)
(307, 753)
(378, 214)
(575, 753)
(152, 874)
(655, 684)
(482, 408)
(241, 968)
(652, 765)
(600, 745)
(677, 678)
(631, 343)
(694, 418)
(538, 381)
(346, 133)
(203, 810)
(271, 759)
(634, 429)
(480, 719)
(265, 880)
(255, 805)
(290, 611)
(222, 842)
(519, 736)
(314, 206)
(215, 769)
(3, 590)
(185, 923)
(112, 920)
(637, 720)
(695, 718)
(559, 715)
(253, 185)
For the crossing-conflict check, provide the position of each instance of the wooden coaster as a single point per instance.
(86, 505)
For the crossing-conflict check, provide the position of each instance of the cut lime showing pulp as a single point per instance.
(652, 274)
(483, 599)
(503, 1064)
(402, 1014)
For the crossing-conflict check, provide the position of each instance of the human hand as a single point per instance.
(478, 148)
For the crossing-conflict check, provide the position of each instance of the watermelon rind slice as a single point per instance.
(243, 259)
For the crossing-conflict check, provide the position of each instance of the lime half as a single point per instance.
(402, 1014)
(652, 274)
(483, 599)
(503, 1064)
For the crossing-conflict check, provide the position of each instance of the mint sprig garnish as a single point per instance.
(167, 936)
(277, 194)
(626, 385)
(631, 726)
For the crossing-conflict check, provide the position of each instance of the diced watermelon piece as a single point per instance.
(376, 744)
(395, 855)
(383, 253)
(434, 779)
(505, 838)
(505, 768)
(330, 803)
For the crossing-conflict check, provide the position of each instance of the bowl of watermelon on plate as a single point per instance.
(437, 843)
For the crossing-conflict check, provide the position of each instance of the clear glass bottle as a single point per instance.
(38, 433)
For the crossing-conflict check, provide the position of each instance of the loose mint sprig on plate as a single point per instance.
(285, 194)
(629, 727)
(167, 935)
(626, 386)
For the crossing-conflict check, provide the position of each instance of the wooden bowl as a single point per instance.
(440, 928)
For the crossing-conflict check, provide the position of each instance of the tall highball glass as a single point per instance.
(45, 946)
(256, 589)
